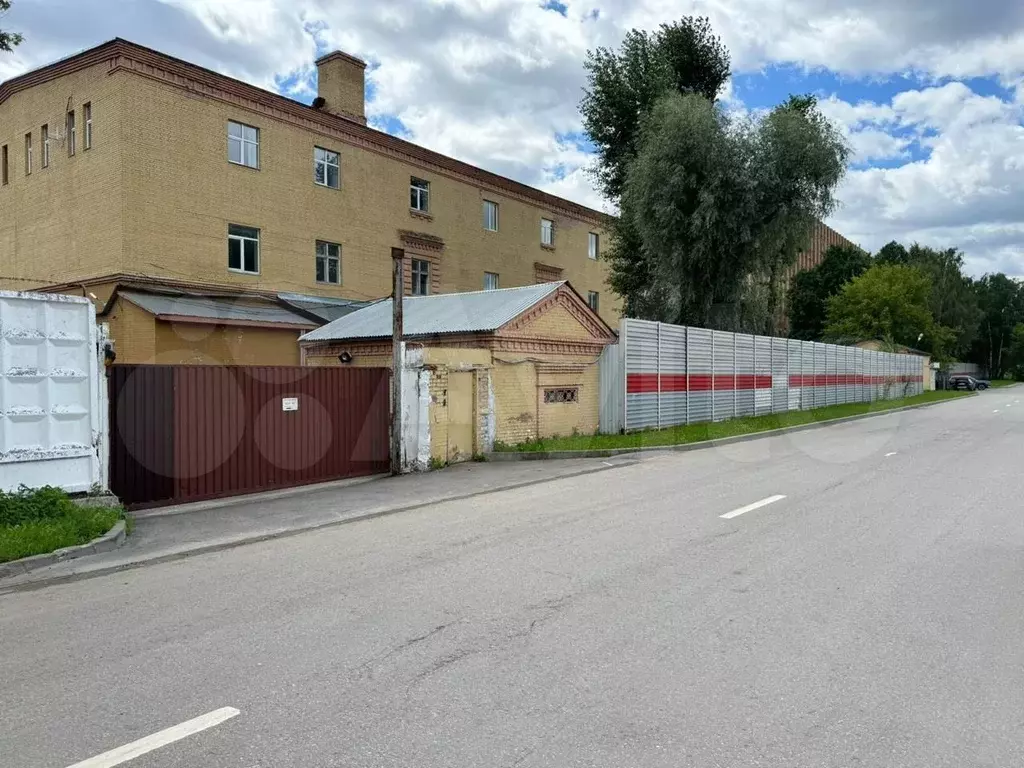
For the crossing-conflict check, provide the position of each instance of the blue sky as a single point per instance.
(930, 93)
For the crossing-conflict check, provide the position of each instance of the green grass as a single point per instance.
(695, 433)
(40, 521)
(1002, 382)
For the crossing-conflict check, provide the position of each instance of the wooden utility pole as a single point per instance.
(397, 290)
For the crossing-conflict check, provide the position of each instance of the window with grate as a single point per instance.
(562, 395)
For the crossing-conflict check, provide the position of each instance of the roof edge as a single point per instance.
(357, 131)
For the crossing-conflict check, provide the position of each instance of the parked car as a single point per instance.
(963, 381)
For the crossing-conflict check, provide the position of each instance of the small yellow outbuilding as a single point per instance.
(507, 366)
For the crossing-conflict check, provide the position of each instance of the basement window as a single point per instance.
(562, 395)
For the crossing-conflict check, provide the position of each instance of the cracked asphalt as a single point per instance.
(874, 616)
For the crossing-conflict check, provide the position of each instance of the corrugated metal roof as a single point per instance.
(323, 307)
(444, 313)
(223, 309)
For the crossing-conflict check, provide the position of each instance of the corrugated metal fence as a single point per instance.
(663, 375)
(184, 433)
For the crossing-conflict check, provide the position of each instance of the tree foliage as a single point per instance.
(1001, 303)
(954, 301)
(8, 39)
(713, 208)
(891, 302)
(812, 288)
(623, 86)
(689, 200)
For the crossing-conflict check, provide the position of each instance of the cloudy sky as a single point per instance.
(929, 92)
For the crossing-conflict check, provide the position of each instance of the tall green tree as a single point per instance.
(1001, 301)
(689, 196)
(622, 87)
(892, 253)
(800, 159)
(812, 288)
(8, 39)
(954, 301)
(891, 302)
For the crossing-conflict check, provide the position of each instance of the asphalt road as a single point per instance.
(872, 617)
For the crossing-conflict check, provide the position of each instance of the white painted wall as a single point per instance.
(52, 393)
(415, 411)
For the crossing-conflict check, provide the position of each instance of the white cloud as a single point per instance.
(497, 82)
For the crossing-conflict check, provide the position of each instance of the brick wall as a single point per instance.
(63, 222)
(157, 189)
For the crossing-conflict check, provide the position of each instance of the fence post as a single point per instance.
(686, 365)
(735, 341)
(625, 375)
(712, 375)
(659, 375)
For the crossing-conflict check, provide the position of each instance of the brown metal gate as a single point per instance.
(185, 433)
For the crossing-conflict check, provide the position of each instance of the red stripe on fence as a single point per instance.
(646, 383)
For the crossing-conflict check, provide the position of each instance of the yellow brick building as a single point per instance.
(505, 366)
(126, 167)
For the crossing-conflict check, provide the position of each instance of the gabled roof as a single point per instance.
(475, 312)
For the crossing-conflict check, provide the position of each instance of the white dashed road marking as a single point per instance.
(159, 739)
(751, 507)
(891, 453)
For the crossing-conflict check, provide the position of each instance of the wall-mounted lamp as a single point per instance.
(345, 357)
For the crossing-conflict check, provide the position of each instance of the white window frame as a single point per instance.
(490, 206)
(421, 194)
(243, 144)
(325, 161)
(243, 239)
(547, 232)
(593, 245)
(323, 254)
(87, 116)
(45, 133)
(72, 132)
(416, 275)
(28, 153)
(491, 281)
(594, 300)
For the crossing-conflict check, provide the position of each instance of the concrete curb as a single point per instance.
(223, 544)
(603, 453)
(108, 542)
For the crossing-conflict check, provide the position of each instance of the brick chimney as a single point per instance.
(341, 83)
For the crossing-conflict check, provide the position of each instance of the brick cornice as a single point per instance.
(421, 241)
(568, 299)
(125, 56)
